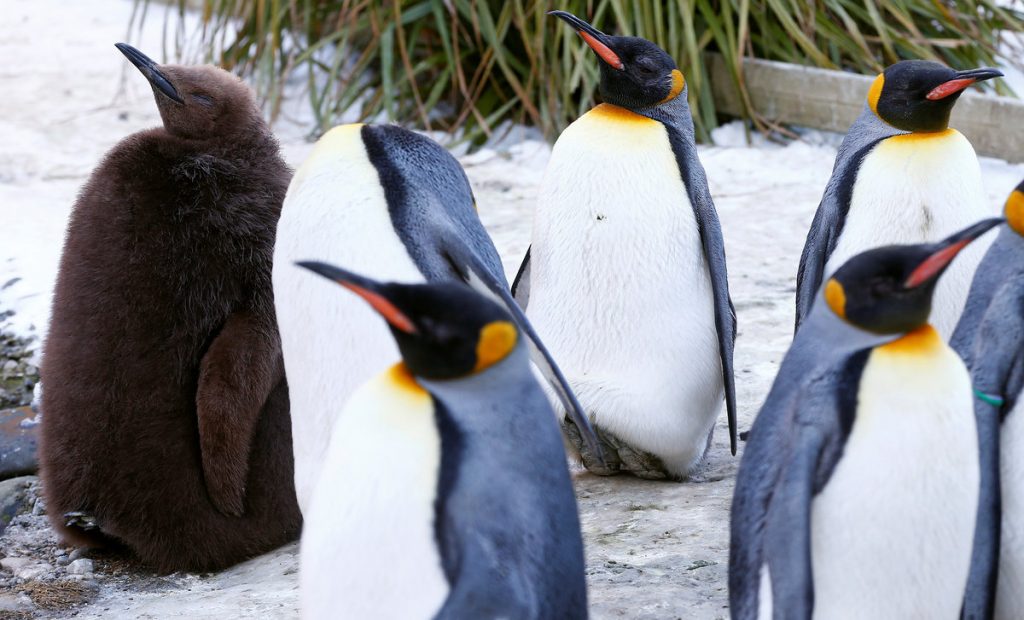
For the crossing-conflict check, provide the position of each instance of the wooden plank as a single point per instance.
(831, 100)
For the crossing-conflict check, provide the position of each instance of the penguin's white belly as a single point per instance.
(892, 529)
(619, 288)
(368, 543)
(1010, 592)
(335, 212)
(913, 189)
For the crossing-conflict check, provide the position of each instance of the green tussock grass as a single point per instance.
(471, 65)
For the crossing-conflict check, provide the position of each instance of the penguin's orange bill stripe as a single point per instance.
(949, 88)
(602, 50)
(383, 307)
(934, 264)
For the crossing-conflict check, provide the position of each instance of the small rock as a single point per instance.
(80, 566)
(10, 366)
(14, 499)
(78, 553)
(12, 603)
(33, 571)
(15, 564)
(18, 443)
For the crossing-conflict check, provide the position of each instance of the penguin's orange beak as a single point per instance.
(962, 80)
(597, 40)
(946, 250)
(368, 290)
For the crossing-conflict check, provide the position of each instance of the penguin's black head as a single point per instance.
(918, 95)
(888, 290)
(197, 102)
(444, 331)
(1014, 209)
(635, 73)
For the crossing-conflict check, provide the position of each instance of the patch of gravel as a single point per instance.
(18, 372)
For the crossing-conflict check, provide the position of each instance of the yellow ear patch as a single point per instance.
(678, 84)
(835, 297)
(876, 92)
(1014, 211)
(497, 339)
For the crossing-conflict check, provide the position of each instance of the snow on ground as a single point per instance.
(655, 550)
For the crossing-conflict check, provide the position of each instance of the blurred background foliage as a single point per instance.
(472, 66)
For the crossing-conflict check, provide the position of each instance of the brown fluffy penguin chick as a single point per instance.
(165, 413)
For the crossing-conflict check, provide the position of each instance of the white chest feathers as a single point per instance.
(892, 529)
(1010, 595)
(919, 188)
(368, 543)
(619, 288)
(335, 211)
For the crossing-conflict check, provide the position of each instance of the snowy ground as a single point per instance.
(655, 550)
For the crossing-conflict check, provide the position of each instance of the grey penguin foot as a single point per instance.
(80, 520)
(619, 456)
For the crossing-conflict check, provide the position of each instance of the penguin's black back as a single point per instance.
(167, 239)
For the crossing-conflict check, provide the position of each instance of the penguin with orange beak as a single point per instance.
(444, 492)
(990, 338)
(626, 275)
(902, 176)
(858, 490)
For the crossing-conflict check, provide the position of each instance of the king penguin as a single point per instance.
(990, 338)
(397, 206)
(902, 176)
(626, 275)
(445, 491)
(857, 492)
(165, 425)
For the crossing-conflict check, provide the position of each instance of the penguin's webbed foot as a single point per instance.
(80, 520)
(619, 456)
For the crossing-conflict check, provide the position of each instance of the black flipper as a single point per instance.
(796, 441)
(521, 285)
(830, 217)
(475, 273)
(997, 374)
(710, 230)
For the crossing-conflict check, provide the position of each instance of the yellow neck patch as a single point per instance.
(403, 380)
(678, 84)
(614, 113)
(1014, 211)
(835, 297)
(497, 339)
(920, 136)
(922, 341)
(876, 92)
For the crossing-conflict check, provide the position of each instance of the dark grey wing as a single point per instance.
(865, 133)
(505, 516)
(463, 532)
(787, 529)
(997, 374)
(710, 231)
(792, 449)
(521, 285)
(489, 281)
